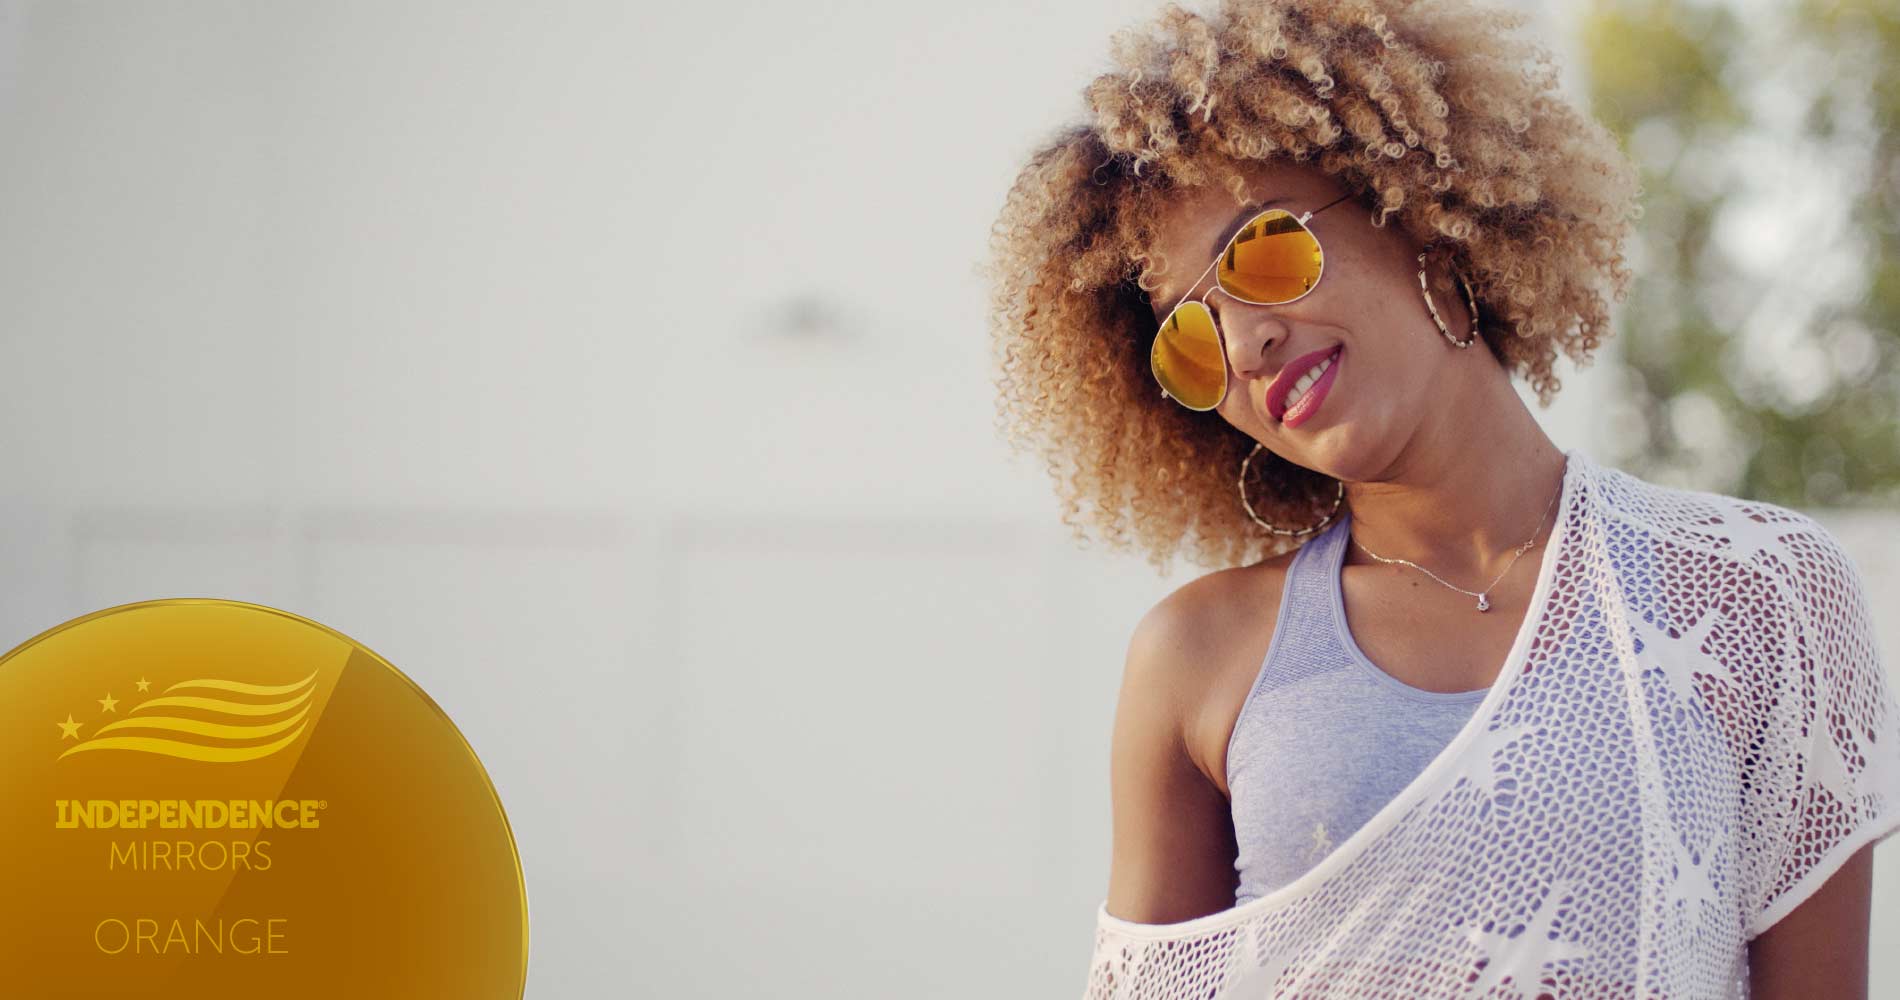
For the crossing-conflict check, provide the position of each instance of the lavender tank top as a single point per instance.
(1325, 738)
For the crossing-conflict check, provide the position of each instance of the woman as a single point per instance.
(1302, 247)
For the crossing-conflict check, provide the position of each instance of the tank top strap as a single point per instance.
(1306, 636)
(1329, 546)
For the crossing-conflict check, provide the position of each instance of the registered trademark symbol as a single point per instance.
(323, 803)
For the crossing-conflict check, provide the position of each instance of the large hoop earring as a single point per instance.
(1470, 300)
(1244, 502)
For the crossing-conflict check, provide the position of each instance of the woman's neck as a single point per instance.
(1460, 500)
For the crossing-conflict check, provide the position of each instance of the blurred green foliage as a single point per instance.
(1761, 338)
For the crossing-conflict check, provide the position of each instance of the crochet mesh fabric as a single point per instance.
(1692, 733)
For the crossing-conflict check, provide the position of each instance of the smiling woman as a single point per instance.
(1458, 710)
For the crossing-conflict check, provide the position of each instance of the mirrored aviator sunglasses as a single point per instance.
(1272, 260)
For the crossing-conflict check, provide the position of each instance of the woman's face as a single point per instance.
(1393, 370)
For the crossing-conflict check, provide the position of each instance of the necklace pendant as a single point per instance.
(1483, 604)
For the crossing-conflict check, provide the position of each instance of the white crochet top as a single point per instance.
(1692, 731)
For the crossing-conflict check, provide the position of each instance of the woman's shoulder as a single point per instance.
(1764, 567)
(1704, 522)
(1204, 613)
(1199, 645)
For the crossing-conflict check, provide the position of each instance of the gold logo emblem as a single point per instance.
(212, 798)
(196, 739)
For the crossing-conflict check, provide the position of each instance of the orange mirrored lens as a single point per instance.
(1273, 259)
(1187, 357)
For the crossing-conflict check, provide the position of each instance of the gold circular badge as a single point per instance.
(206, 798)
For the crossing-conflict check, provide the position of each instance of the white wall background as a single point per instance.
(619, 372)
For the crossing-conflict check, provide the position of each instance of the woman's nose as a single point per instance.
(1247, 338)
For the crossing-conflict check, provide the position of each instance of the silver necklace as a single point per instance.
(1484, 602)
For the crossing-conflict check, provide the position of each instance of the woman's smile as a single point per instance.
(1306, 402)
(1298, 392)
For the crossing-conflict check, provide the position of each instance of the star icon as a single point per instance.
(144, 684)
(1522, 959)
(1259, 980)
(1750, 533)
(1322, 842)
(1479, 767)
(108, 703)
(1694, 883)
(1681, 659)
(69, 727)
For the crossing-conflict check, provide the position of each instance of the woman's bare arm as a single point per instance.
(1173, 850)
(1819, 949)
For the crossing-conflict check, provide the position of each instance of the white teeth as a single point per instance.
(1306, 381)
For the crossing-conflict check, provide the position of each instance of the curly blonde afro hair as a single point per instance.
(1432, 112)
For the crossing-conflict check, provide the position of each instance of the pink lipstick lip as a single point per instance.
(1276, 393)
(1312, 399)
